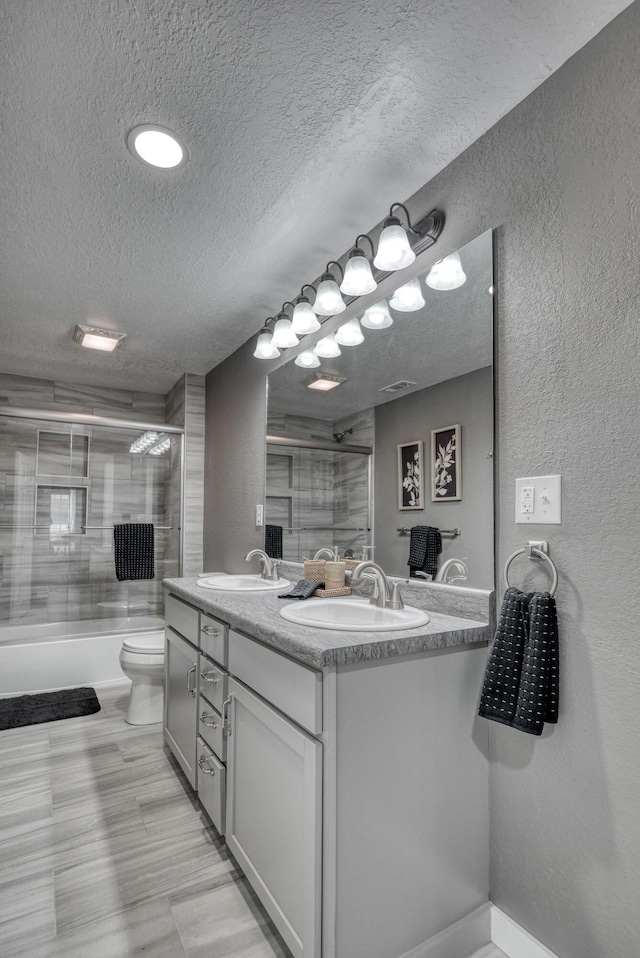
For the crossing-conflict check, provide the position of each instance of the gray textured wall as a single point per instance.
(559, 179)
(467, 400)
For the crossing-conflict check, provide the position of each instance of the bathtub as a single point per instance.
(42, 658)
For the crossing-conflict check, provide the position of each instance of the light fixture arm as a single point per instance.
(328, 274)
(406, 213)
(302, 297)
(356, 246)
(287, 303)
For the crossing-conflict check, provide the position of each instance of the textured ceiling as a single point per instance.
(303, 121)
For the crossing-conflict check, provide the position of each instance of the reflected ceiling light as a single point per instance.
(394, 249)
(408, 298)
(447, 273)
(156, 147)
(327, 348)
(161, 448)
(378, 316)
(304, 320)
(94, 338)
(325, 382)
(350, 334)
(358, 278)
(329, 300)
(144, 441)
(264, 346)
(307, 359)
(283, 335)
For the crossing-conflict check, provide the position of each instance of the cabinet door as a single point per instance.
(181, 702)
(273, 827)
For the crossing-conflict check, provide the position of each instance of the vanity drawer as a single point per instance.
(214, 639)
(211, 784)
(182, 618)
(210, 728)
(212, 682)
(293, 688)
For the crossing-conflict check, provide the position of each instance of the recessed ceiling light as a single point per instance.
(157, 147)
(326, 382)
(93, 338)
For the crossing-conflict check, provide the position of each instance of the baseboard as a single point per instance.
(462, 938)
(511, 938)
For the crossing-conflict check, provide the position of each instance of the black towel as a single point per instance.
(425, 546)
(521, 682)
(133, 550)
(273, 541)
(303, 589)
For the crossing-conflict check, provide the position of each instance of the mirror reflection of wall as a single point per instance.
(431, 368)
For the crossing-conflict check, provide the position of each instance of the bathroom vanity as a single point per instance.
(346, 770)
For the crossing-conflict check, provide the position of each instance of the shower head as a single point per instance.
(339, 436)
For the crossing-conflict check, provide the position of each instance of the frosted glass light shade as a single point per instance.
(327, 348)
(447, 273)
(394, 251)
(264, 347)
(283, 335)
(358, 278)
(329, 301)
(378, 316)
(304, 319)
(408, 298)
(350, 334)
(307, 359)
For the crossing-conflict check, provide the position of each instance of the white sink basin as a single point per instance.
(224, 582)
(355, 615)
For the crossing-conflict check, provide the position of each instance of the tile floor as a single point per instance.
(104, 852)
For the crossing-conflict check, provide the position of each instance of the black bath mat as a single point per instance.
(47, 707)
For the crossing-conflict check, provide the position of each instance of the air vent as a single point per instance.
(397, 387)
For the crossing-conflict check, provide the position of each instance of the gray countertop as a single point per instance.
(256, 614)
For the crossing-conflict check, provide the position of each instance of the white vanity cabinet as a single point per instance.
(196, 651)
(353, 796)
(274, 789)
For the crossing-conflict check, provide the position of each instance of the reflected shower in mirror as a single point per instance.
(412, 407)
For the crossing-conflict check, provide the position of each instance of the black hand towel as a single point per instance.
(303, 589)
(521, 682)
(273, 541)
(425, 545)
(133, 550)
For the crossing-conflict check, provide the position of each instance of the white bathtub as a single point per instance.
(43, 658)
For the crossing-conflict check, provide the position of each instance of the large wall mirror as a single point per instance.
(406, 437)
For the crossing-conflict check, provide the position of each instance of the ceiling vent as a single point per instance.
(397, 387)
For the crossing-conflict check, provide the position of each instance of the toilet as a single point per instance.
(142, 661)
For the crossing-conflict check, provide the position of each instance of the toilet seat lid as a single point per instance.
(144, 643)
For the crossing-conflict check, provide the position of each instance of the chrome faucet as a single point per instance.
(332, 553)
(458, 566)
(385, 595)
(270, 569)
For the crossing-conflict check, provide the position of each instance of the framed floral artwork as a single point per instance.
(446, 476)
(410, 475)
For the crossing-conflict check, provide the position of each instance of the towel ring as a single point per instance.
(541, 555)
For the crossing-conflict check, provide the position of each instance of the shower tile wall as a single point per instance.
(318, 488)
(45, 581)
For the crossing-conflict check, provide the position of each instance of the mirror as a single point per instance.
(362, 463)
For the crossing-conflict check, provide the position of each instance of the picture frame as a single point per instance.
(410, 475)
(446, 464)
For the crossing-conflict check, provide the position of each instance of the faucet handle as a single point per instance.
(395, 601)
(275, 570)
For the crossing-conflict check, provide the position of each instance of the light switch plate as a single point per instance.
(539, 500)
(259, 514)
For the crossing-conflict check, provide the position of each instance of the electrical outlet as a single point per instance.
(539, 500)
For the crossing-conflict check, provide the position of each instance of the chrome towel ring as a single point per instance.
(540, 553)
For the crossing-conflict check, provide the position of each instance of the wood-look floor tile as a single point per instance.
(226, 920)
(147, 930)
(27, 912)
(25, 805)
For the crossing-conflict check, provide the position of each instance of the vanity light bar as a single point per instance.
(398, 246)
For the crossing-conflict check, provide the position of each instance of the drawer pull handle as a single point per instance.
(209, 676)
(210, 630)
(203, 768)
(203, 718)
(190, 688)
(226, 724)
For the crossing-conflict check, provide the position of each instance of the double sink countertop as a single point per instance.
(457, 616)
